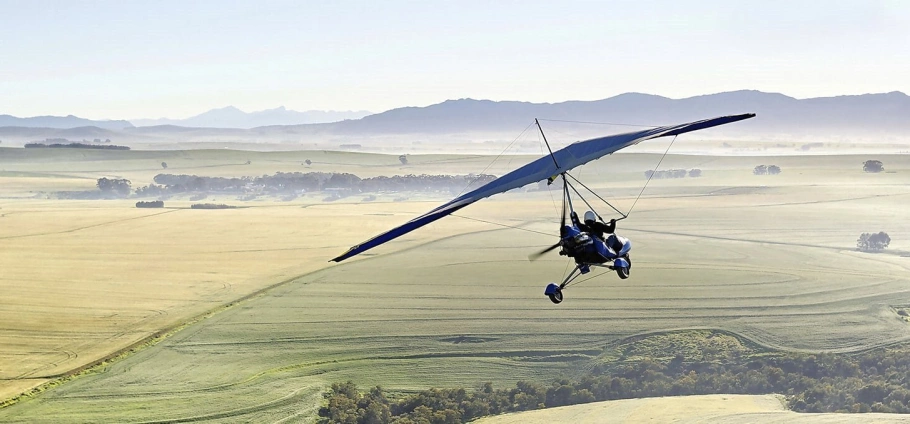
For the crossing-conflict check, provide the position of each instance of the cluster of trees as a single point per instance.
(874, 381)
(151, 204)
(211, 206)
(119, 187)
(284, 183)
(873, 242)
(75, 146)
(673, 173)
(766, 170)
(873, 166)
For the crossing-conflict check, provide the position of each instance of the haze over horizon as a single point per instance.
(113, 60)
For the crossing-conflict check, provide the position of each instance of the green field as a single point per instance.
(771, 258)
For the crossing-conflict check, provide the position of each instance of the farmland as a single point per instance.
(701, 409)
(768, 257)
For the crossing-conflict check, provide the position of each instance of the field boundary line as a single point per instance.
(142, 344)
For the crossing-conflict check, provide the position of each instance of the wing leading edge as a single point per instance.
(569, 157)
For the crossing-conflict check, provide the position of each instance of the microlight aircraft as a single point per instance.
(586, 250)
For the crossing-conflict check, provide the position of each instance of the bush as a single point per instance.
(152, 204)
(873, 166)
(766, 170)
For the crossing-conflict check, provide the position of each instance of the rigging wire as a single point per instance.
(586, 279)
(485, 170)
(600, 123)
(503, 225)
(595, 194)
(652, 175)
(495, 159)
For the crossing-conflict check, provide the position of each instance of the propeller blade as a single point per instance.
(535, 256)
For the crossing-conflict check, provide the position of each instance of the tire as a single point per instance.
(556, 297)
(623, 273)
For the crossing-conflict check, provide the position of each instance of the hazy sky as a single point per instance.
(149, 59)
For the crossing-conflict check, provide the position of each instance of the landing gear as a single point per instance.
(623, 266)
(554, 291)
(623, 272)
(556, 297)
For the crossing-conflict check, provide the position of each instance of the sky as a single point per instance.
(151, 59)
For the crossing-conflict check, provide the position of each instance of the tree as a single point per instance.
(403, 159)
(773, 170)
(119, 186)
(869, 242)
(308, 162)
(760, 170)
(873, 166)
(695, 173)
(164, 165)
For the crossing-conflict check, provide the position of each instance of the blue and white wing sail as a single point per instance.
(572, 156)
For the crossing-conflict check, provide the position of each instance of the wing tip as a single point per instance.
(345, 255)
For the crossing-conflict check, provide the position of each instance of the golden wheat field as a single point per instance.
(457, 303)
(732, 409)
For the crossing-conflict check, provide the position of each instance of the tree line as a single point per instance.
(873, 381)
(75, 146)
(673, 173)
(296, 182)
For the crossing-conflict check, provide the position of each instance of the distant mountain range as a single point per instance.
(867, 116)
(60, 122)
(231, 117)
(777, 113)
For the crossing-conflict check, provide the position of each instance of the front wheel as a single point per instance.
(623, 272)
(556, 297)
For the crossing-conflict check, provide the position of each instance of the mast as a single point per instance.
(547, 143)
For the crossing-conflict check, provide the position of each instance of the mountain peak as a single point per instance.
(233, 117)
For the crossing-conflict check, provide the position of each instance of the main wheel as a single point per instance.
(556, 297)
(623, 272)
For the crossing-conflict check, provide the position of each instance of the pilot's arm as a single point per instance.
(610, 227)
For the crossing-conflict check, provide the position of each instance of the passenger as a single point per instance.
(596, 228)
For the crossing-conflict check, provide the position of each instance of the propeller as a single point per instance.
(535, 256)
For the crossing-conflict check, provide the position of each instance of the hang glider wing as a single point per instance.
(574, 155)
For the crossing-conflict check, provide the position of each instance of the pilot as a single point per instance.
(596, 228)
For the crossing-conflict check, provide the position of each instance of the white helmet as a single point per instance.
(589, 216)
